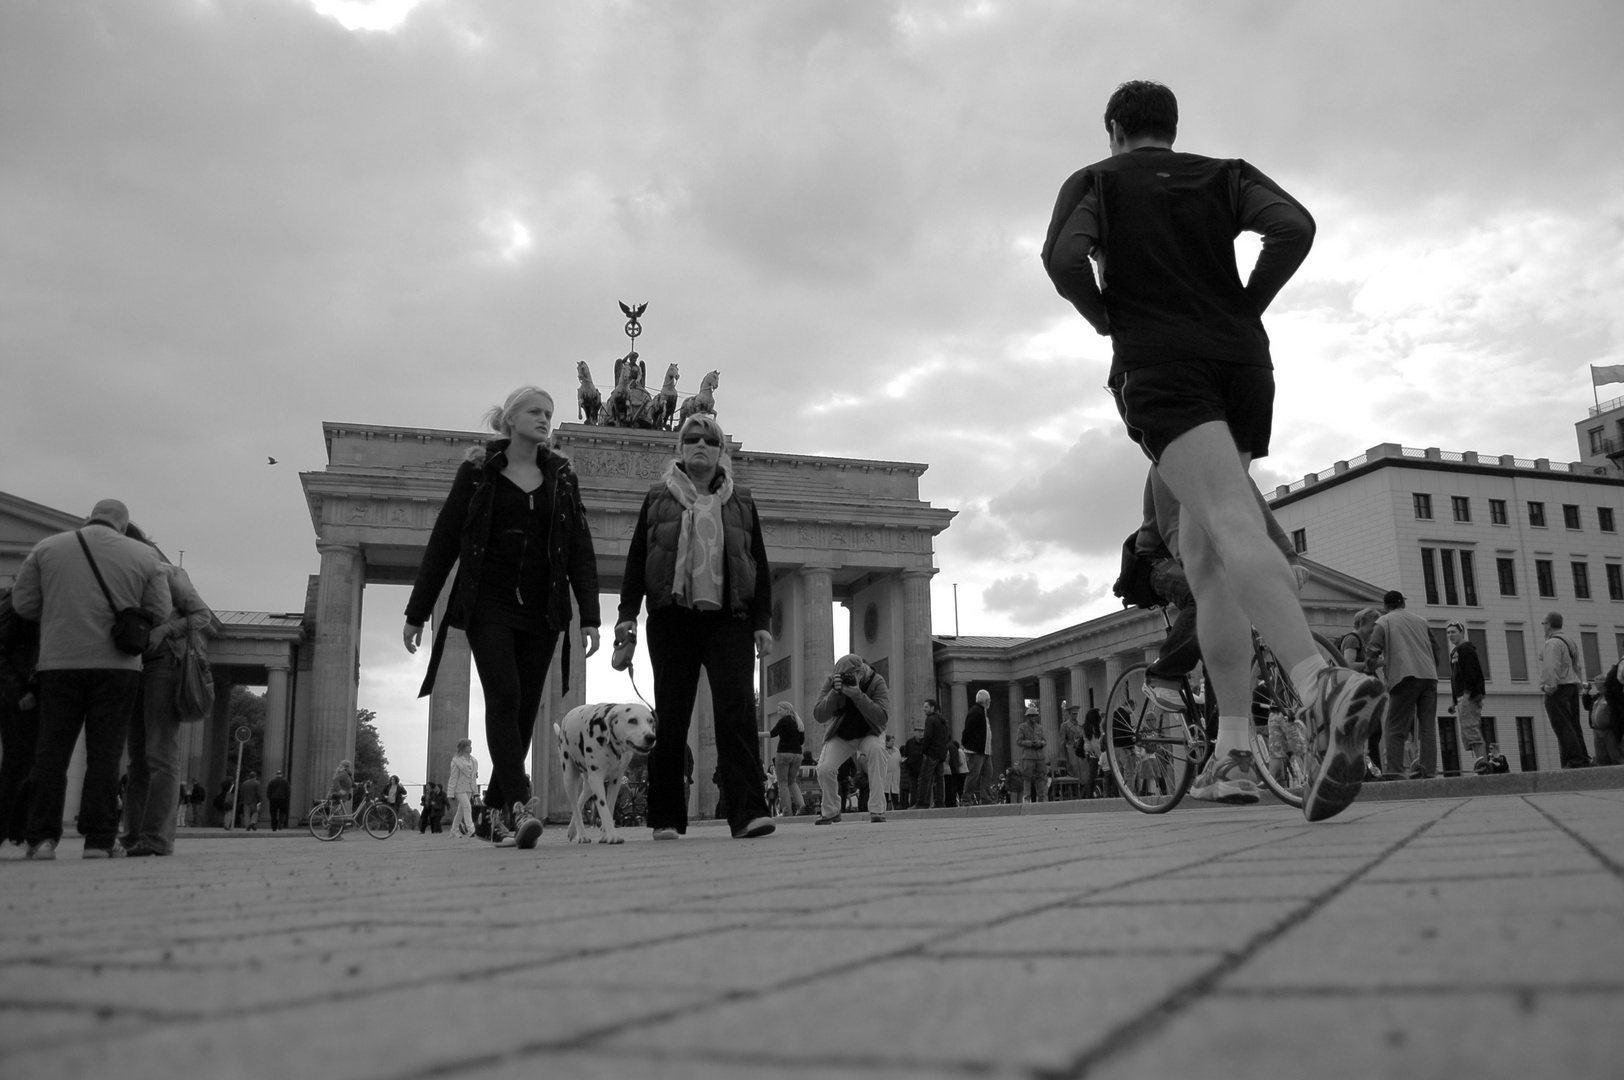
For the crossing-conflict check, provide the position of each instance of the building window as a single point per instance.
(1299, 540)
(1615, 581)
(1491, 734)
(1480, 642)
(1429, 575)
(1581, 580)
(1597, 439)
(1507, 569)
(1517, 655)
(1570, 517)
(1497, 511)
(1440, 646)
(1546, 576)
(1590, 645)
(1462, 507)
(1423, 506)
(1604, 518)
(1525, 744)
(1536, 514)
(1447, 557)
(1468, 579)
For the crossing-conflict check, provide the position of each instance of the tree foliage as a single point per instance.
(246, 709)
(371, 760)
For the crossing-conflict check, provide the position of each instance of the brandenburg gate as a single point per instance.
(837, 530)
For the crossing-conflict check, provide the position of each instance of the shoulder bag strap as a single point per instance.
(97, 571)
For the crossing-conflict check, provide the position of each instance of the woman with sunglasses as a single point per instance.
(698, 556)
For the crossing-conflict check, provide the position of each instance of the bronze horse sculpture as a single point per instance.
(588, 401)
(705, 400)
(668, 399)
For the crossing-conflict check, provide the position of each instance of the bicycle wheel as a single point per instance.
(1152, 754)
(379, 821)
(1282, 741)
(321, 821)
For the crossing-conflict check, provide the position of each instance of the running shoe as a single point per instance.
(1342, 707)
(666, 833)
(1165, 694)
(527, 822)
(1231, 779)
(42, 851)
(1286, 736)
(761, 826)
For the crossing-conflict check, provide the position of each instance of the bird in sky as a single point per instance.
(270, 460)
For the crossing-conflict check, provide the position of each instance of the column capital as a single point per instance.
(334, 547)
(918, 571)
(282, 666)
(808, 569)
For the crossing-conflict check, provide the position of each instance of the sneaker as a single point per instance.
(1342, 707)
(875, 819)
(667, 833)
(44, 850)
(826, 820)
(1417, 773)
(114, 852)
(1286, 736)
(527, 819)
(138, 851)
(11, 850)
(1229, 779)
(1166, 694)
(761, 826)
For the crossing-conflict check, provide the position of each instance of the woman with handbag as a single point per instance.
(514, 526)
(151, 803)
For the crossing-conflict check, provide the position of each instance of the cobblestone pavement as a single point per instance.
(1476, 937)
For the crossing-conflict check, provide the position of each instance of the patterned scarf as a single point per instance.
(700, 541)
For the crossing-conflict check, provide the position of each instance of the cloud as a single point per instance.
(1027, 603)
(1085, 502)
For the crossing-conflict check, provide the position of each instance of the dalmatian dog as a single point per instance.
(595, 744)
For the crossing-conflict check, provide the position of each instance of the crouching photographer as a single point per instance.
(853, 704)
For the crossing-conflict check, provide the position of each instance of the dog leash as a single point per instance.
(631, 671)
(631, 675)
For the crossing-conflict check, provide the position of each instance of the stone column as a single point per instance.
(276, 721)
(1049, 714)
(918, 663)
(1077, 689)
(959, 704)
(817, 644)
(1115, 665)
(1017, 710)
(546, 783)
(334, 658)
(216, 746)
(448, 701)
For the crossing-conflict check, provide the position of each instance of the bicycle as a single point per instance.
(377, 818)
(1154, 755)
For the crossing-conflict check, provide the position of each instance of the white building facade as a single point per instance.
(1495, 542)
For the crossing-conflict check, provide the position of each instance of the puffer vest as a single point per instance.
(664, 524)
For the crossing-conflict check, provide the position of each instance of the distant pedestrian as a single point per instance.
(854, 707)
(462, 788)
(1093, 734)
(912, 757)
(278, 794)
(248, 802)
(1561, 670)
(195, 799)
(1356, 654)
(933, 749)
(974, 742)
(19, 723)
(1033, 763)
(1409, 657)
(394, 794)
(955, 769)
(1071, 741)
(434, 804)
(893, 774)
(1606, 735)
(74, 584)
(1466, 690)
(791, 735)
(226, 803)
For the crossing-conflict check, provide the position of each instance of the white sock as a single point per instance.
(1234, 733)
(1302, 676)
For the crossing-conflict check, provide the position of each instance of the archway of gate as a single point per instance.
(837, 530)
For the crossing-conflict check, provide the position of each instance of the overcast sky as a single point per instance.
(222, 223)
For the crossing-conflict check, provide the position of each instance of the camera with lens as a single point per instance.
(848, 678)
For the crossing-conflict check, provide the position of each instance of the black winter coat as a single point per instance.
(462, 534)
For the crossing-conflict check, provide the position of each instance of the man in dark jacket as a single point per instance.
(854, 704)
(933, 749)
(277, 795)
(974, 744)
(1466, 689)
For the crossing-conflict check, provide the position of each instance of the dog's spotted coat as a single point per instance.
(595, 744)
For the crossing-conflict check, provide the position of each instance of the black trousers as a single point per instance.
(99, 701)
(279, 814)
(512, 670)
(19, 732)
(680, 641)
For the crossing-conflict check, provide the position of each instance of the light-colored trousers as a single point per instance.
(462, 823)
(835, 753)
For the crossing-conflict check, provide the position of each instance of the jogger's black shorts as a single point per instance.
(1161, 402)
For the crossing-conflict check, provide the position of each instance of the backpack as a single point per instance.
(1133, 582)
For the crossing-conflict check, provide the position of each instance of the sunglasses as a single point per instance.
(708, 440)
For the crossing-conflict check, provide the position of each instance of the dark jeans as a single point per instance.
(680, 640)
(929, 786)
(99, 702)
(19, 732)
(512, 670)
(1562, 707)
(153, 796)
(279, 814)
(1412, 702)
